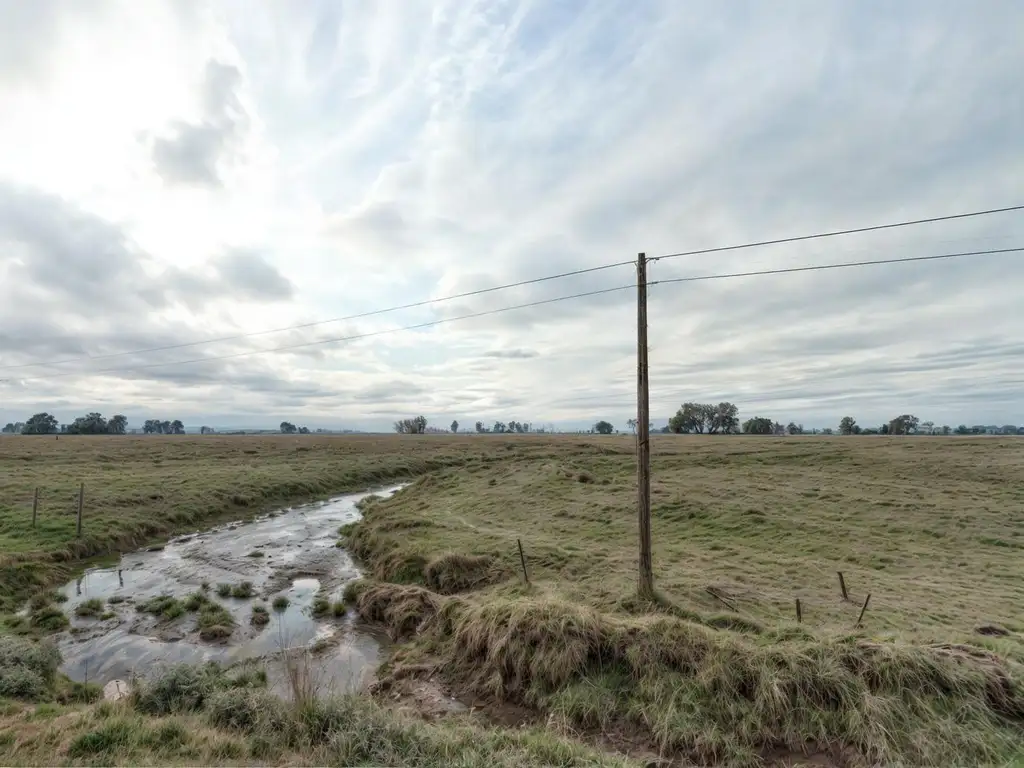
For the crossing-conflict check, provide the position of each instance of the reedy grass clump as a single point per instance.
(713, 695)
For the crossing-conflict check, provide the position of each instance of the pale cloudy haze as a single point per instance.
(176, 171)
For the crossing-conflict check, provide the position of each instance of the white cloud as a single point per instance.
(203, 169)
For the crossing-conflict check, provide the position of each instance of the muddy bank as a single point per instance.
(290, 554)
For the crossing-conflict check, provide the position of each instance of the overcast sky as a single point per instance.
(176, 171)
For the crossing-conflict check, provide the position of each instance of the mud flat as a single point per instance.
(291, 553)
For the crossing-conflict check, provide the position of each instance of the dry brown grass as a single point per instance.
(141, 488)
(933, 528)
(930, 527)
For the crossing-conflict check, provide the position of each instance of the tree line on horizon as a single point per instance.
(691, 418)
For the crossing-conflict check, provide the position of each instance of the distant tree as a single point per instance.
(480, 428)
(759, 425)
(794, 429)
(945, 429)
(117, 425)
(455, 427)
(287, 428)
(884, 429)
(415, 426)
(166, 427)
(725, 419)
(688, 419)
(846, 425)
(499, 426)
(1008, 429)
(603, 428)
(8, 428)
(40, 424)
(632, 424)
(903, 425)
(928, 427)
(177, 428)
(827, 431)
(963, 430)
(303, 430)
(205, 430)
(150, 426)
(869, 431)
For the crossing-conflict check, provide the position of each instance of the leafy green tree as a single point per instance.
(177, 428)
(287, 428)
(90, 424)
(688, 419)
(480, 428)
(117, 425)
(758, 425)
(603, 428)
(795, 429)
(40, 424)
(303, 430)
(846, 425)
(455, 427)
(8, 428)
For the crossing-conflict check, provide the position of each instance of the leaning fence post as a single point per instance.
(81, 502)
(842, 585)
(864, 608)
(522, 560)
(35, 506)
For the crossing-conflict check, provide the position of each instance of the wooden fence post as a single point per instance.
(864, 608)
(842, 586)
(81, 502)
(799, 613)
(35, 506)
(522, 560)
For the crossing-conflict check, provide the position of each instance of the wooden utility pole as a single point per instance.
(645, 585)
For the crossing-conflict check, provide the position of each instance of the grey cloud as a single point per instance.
(192, 152)
(251, 275)
(511, 354)
(395, 390)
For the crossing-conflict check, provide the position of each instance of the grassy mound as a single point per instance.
(208, 715)
(713, 695)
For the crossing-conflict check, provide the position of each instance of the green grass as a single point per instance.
(167, 607)
(722, 677)
(214, 622)
(201, 717)
(714, 670)
(259, 616)
(139, 489)
(89, 608)
(243, 590)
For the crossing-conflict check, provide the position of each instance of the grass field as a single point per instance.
(933, 529)
(141, 488)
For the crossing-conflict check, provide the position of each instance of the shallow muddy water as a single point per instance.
(290, 553)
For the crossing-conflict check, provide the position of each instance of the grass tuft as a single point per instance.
(280, 603)
(243, 590)
(90, 608)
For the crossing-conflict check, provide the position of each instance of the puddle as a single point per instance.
(290, 553)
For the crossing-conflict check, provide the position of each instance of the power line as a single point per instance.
(355, 337)
(358, 316)
(521, 283)
(836, 233)
(541, 302)
(841, 265)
